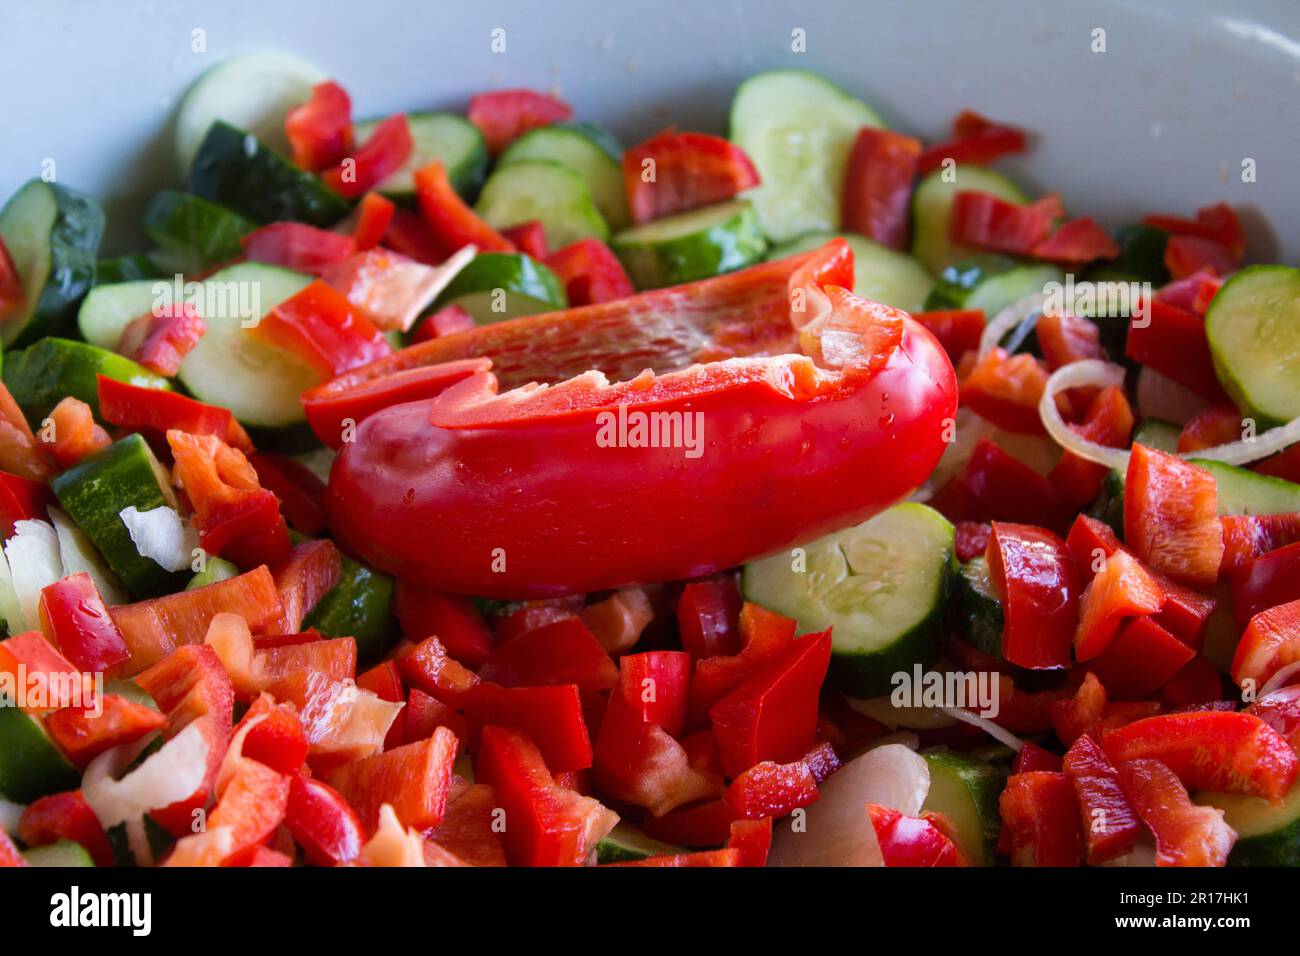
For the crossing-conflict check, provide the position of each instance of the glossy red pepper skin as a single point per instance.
(673, 172)
(1076, 242)
(298, 246)
(428, 667)
(528, 238)
(160, 340)
(1172, 341)
(322, 822)
(1005, 389)
(591, 273)
(976, 140)
(320, 326)
(1271, 579)
(878, 186)
(1187, 255)
(659, 682)
(320, 130)
(1110, 827)
(764, 635)
(563, 652)
(12, 298)
(300, 492)
(708, 614)
(74, 617)
(155, 411)
(1186, 834)
(989, 222)
(275, 736)
(753, 838)
(415, 779)
(1121, 589)
(21, 499)
(454, 620)
(373, 161)
(309, 572)
(504, 115)
(1246, 537)
(451, 223)
(82, 734)
(550, 716)
(994, 486)
(1271, 641)
(911, 841)
(65, 816)
(958, 330)
(1218, 223)
(374, 216)
(769, 789)
(1171, 516)
(1107, 421)
(1036, 578)
(1041, 814)
(1142, 658)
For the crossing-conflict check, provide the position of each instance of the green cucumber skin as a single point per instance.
(30, 765)
(980, 616)
(94, 493)
(359, 606)
(1280, 848)
(726, 246)
(73, 244)
(520, 277)
(625, 844)
(257, 183)
(62, 853)
(126, 269)
(465, 173)
(1141, 253)
(546, 191)
(46, 372)
(984, 783)
(201, 232)
(577, 147)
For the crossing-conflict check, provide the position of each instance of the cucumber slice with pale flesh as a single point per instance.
(1253, 326)
(691, 245)
(574, 145)
(879, 273)
(58, 853)
(625, 843)
(990, 283)
(965, 790)
(108, 309)
(443, 136)
(883, 586)
(45, 373)
(496, 286)
(1267, 834)
(798, 129)
(543, 190)
(52, 234)
(1158, 434)
(932, 211)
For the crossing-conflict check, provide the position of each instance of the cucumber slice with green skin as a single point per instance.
(235, 169)
(966, 791)
(573, 145)
(625, 843)
(496, 286)
(1267, 835)
(216, 569)
(990, 283)
(193, 233)
(1141, 253)
(359, 606)
(932, 210)
(1244, 492)
(883, 586)
(1158, 434)
(95, 492)
(979, 612)
(125, 269)
(691, 245)
(59, 853)
(445, 136)
(798, 129)
(254, 92)
(52, 234)
(546, 191)
(879, 273)
(30, 765)
(43, 374)
(1253, 326)
(259, 383)
(108, 309)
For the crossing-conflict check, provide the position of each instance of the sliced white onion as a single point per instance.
(10, 609)
(34, 564)
(1092, 372)
(836, 831)
(10, 814)
(1253, 449)
(1279, 680)
(1159, 396)
(1009, 318)
(169, 775)
(1142, 854)
(161, 535)
(1000, 734)
(137, 841)
(79, 554)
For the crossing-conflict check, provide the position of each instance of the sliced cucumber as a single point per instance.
(30, 765)
(52, 234)
(43, 374)
(193, 233)
(966, 791)
(625, 842)
(359, 606)
(77, 553)
(1253, 324)
(260, 384)
(1158, 434)
(691, 245)
(125, 269)
(108, 309)
(546, 191)
(216, 569)
(932, 210)
(59, 853)
(1267, 834)
(496, 286)
(1243, 492)
(883, 586)
(445, 136)
(879, 273)
(979, 612)
(95, 492)
(798, 129)
(254, 92)
(577, 147)
(235, 169)
(990, 283)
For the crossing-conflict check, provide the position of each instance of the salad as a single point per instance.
(472, 490)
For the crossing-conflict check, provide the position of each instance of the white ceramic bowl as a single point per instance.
(1162, 120)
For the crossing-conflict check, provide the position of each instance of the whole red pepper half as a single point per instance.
(589, 485)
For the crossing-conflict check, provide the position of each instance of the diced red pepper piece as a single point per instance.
(1269, 580)
(958, 330)
(1076, 242)
(705, 824)
(1089, 712)
(250, 805)
(657, 685)
(1271, 642)
(1186, 834)
(618, 621)
(160, 340)
(990, 222)
(83, 733)
(1041, 813)
(19, 453)
(1171, 518)
(320, 326)
(298, 246)
(1033, 757)
(878, 186)
(1187, 255)
(451, 223)
(1006, 389)
(414, 779)
(672, 172)
(1109, 421)
(299, 491)
(469, 827)
(158, 411)
(994, 486)
(1141, 658)
(74, 617)
(428, 667)
(9, 855)
(911, 841)
(320, 130)
(454, 620)
(591, 273)
(1211, 750)
(75, 433)
(1035, 576)
(62, 684)
(1216, 425)
(1066, 338)
(1110, 827)
(550, 716)
(1191, 293)
(20, 500)
(409, 236)
(1172, 341)
(1246, 537)
(1284, 465)
(448, 320)
(12, 298)
(1122, 589)
(374, 216)
(309, 572)
(374, 161)
(502, 116)
(708, 617)
(322, 822)
(65, 816)
(564, 652)
(770, 789)
(976, 140)
(764, 635)
(529, 238)
(1196, 684)
(753, 838)
(972, 539)
(273, 735)
(1218, 223)
(424, 714)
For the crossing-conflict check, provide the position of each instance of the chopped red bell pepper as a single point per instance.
(591, 273)
(1186, 834)
(976, 140)
(320, 326)
(773, 714)
(19, 453)
(1110, 827)
(414, 779)
(74, 617)
(470, 827)
(1033, 757)
(12, 298)
(1218, 223)
(704, 824)
(322, 822)
(20, 500)
(1109, 421)
(1089, 712)
(912, 841)
(454, 620)
(1066, 338)
(158, 411)
(309, 573)
(374, 216)
(236, 517)
(374, 161)
(550, 716)
(1196, 684)
(424, 714)
(1041, 813)
(1035, 576)
(451, 223)
(994, 486)
(63, 685)
(384, 680)
(958, 330)
(990, 222)
(708, 617)
(1247, 537)
(1076, 242)
(546, 824)
(161, 339)
(521, 619)
(769, 789)
(1188, 255)
(753, 838)
(75, 433)
(428, 667)
(273, 735)
(1191, 293)
(82, 733)
(1006, 389)
(657, 686)
(709, 858)
(878, 186)
(502, 116)
(448, 320)
(1280, 709)
(1216, 425)
(1121, 589)
(1172, 341)
(564, 652)
(1271, 642)
(1171, 516)
(1211, 750)
(672, 172)
(65, 816)
(1141, 658)
(251, 804)
(297, 488)
(409, 236)
(529, 238)
(320, 130)
(298, 246)
(618, 621)
(1269, 580)
(971, 539)
(1284, 465)
(763, 636)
